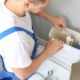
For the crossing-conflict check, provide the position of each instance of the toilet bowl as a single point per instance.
(59, 63)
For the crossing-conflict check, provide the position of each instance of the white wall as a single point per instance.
(1, 1)
(69, 9)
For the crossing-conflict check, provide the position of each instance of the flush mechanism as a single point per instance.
(54, 33)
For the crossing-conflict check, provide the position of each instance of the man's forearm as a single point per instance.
(45, 15)
(35, 64)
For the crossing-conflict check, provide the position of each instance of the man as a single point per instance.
(17, 48)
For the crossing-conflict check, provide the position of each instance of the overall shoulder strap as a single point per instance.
(14, 29)
(4, 34)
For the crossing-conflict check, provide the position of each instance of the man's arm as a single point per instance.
(24, 73)
(56, 21)
(45, 15)
(50, 49)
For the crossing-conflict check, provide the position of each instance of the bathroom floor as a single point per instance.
(75, 73)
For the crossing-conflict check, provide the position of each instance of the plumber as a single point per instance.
(18, 45)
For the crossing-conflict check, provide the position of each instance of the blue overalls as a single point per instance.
(4, 75)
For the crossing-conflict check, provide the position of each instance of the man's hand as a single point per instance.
(57, 22)
(53, 47)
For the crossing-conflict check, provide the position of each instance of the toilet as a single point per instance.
(61, 62)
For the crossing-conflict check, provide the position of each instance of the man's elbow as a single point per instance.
(22, 77)
(22, 73)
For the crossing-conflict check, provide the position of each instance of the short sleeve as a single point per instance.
(17, 55)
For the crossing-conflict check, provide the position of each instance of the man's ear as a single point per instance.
(26, 4)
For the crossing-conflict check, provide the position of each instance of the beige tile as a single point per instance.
(75, 73)
(0, 66)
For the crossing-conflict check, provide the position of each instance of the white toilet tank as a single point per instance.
(69, 54)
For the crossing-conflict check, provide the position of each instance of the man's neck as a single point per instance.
(18, 10)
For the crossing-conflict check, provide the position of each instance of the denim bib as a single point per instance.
(5, 75)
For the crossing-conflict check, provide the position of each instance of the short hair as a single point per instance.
(38, 1)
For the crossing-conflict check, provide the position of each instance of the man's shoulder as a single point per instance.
(5, 21)
(4, 17)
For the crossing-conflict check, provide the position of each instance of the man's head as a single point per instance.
(35, 5)
(19, 7)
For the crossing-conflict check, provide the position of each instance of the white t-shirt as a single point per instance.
(17, 47)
